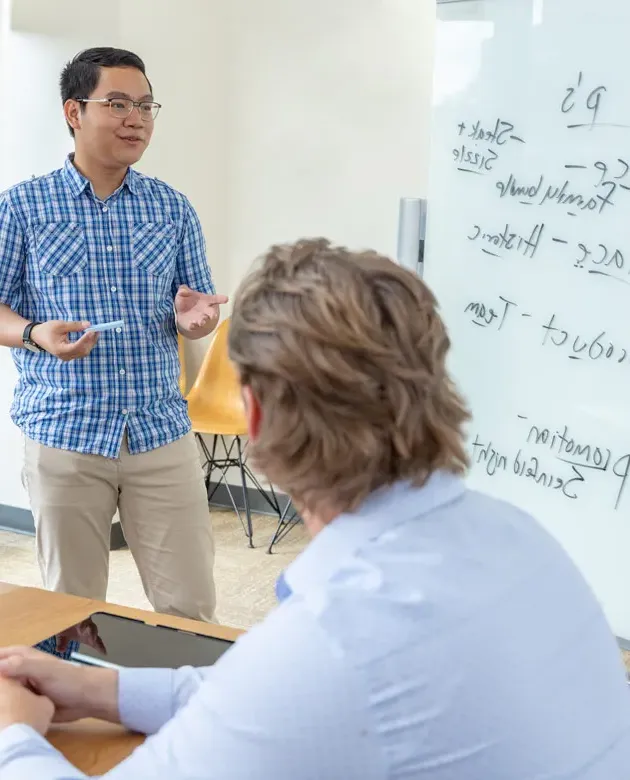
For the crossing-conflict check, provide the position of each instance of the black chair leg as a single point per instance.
(285, 524)
(248, 514)
(210, 459)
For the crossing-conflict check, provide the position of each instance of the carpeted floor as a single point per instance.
(245, 578)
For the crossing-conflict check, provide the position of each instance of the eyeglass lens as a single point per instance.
(122, 107)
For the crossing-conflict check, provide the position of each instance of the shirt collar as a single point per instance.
(78, 182)
(383, 510)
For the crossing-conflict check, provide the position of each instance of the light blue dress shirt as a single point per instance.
(435, 634)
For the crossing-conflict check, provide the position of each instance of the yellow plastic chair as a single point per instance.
(215, 406)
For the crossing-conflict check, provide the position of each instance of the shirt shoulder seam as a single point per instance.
(16, 214)
(149, 180)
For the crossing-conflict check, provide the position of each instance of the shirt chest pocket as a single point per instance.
(60, 247)
(154, 247)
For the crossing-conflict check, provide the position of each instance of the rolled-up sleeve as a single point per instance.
(192, 267)
(12, 251)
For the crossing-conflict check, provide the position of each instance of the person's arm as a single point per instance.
(196, 301)
(149, 698)
(192, 269)
(11, 327)
(282, 703)
(12, 258)
(142, 699)
(52, 336)
(81, 692)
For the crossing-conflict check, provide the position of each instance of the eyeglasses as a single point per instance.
(121, 108)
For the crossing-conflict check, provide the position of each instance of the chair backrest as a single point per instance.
(183, 378)
(217, 389)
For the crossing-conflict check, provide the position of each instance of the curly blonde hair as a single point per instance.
(345, 353)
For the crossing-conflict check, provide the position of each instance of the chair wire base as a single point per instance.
(288, 520)
(228, 460)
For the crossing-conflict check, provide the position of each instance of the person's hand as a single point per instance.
(85, 632)
(53, 337)
(76, 691)
(20, 705)
(195, 310)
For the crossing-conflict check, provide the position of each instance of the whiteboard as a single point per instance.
(528, 252)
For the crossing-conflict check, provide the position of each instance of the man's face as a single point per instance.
(115, 141)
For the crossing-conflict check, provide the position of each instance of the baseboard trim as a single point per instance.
(20, 521)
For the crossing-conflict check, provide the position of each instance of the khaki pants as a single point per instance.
(163, 508)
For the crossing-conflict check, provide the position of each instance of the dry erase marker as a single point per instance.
(105, 326)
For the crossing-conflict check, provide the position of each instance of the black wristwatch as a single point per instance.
(27, 341)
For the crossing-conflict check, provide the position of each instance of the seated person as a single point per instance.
(427, 631)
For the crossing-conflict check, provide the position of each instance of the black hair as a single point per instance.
(80, 76)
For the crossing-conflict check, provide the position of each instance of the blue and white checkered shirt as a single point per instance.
(66, 255)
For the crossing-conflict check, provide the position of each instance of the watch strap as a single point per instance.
(27, 338)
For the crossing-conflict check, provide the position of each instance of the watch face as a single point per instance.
(32, 347)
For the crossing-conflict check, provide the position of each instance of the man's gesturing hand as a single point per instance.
(197, 311)
(53, 337)
(76, 691)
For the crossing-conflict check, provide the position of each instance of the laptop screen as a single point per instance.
(114, 641)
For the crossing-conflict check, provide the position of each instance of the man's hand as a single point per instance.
(76, 691)
(53, 337)
(197, 313)
(20, 705)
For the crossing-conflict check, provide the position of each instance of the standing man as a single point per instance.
(105, 424)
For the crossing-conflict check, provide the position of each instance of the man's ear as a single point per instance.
(72, 113)
(253, 412)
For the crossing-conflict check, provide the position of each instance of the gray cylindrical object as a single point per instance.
(412, 220)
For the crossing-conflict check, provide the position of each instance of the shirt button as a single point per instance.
(105, 209)
(122, 372)
(114, 288)
(110, 248)
(125, 411)
(118, 330)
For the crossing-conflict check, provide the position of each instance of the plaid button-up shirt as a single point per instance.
(66, 255)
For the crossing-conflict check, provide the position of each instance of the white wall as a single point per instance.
(281, 119)
(59, 18)
(184, 48)
(329, 111)
(33, 140)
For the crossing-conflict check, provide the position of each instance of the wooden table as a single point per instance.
(30, 615)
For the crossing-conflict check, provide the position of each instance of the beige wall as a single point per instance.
(281, 118)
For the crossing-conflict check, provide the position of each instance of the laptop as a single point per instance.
(113, 641)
